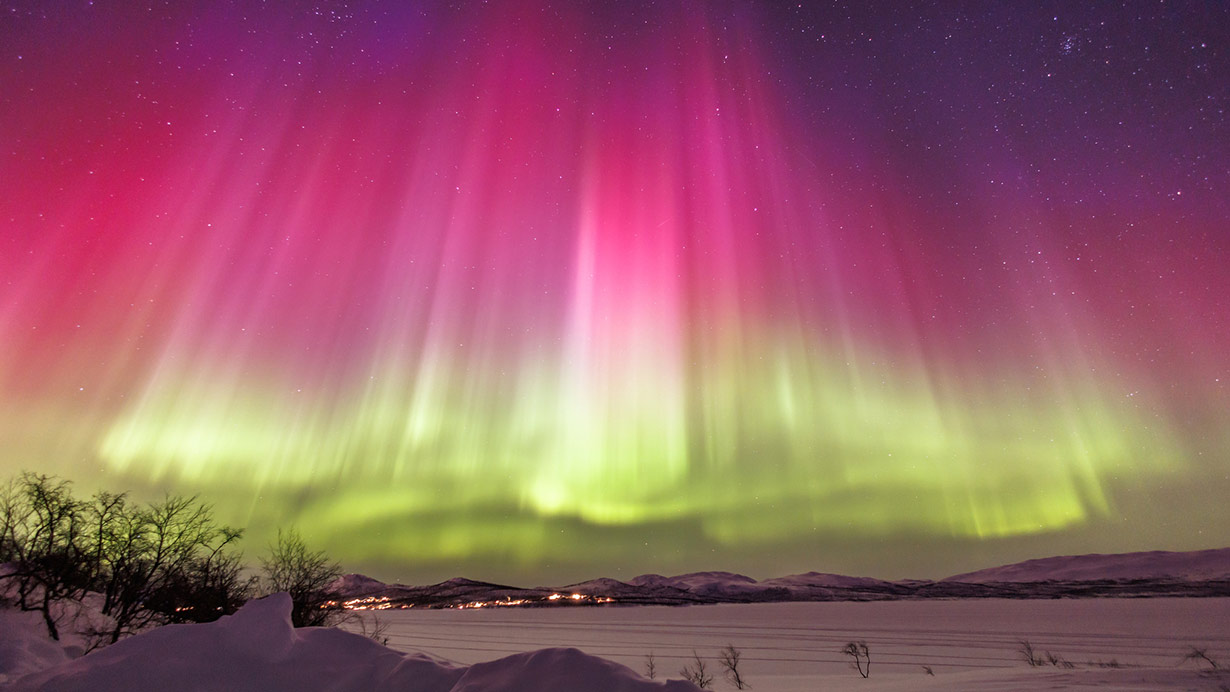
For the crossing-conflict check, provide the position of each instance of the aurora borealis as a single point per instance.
(550, 290)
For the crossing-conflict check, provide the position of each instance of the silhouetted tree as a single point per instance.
(164, 562)
(208, 585)
(169, 562)
(305, 575)
(43, 527)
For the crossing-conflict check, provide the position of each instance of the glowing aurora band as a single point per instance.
(550, 280)
(646, 352)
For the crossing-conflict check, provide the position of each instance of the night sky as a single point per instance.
(541, 291)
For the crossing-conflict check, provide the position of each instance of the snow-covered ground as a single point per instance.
(967, 645)
(789, 647)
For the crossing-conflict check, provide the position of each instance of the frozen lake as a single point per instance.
(790, 646)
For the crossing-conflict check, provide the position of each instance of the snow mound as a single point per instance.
(257, 649)
(562, 670)
(25, 646)
(1200, 565)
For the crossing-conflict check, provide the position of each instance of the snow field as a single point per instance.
(791, 646)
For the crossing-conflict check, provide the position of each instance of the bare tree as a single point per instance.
(43, 525)
(120, 535)
(305, 575)
(696, 673)
(729, 658)
(104, 512)
(136, 558)
(651, 666)
(10, 504)
(861, 655)
(147, 563)
(15, 521)
(169, 562)
(208, 585)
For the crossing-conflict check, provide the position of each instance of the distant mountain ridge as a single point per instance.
(1198, 565)
(1153, 573)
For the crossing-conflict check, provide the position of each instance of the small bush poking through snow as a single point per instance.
(861, 655)
(1027, 653)
(1199, 654)
(1058, 661)
(696, 673)
(729, 658)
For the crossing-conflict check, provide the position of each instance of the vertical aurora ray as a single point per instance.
(435, 303)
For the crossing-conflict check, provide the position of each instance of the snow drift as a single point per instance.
(25, 646)
(257, 649)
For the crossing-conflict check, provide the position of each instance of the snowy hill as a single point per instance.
(821, 579)
(352, 585)
(696, 581)
(257, 649)
(716, 584)
(1201, 565)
